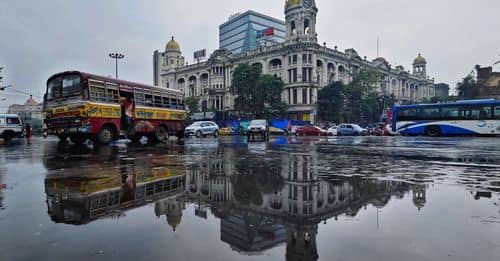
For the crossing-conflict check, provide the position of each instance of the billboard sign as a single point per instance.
(200, 55)
(265, 32)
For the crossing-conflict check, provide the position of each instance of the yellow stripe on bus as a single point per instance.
(100, 110)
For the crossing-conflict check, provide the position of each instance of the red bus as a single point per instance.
(82, 106)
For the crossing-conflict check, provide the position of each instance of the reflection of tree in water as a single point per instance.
(255, 178)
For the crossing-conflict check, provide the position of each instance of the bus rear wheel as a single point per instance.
(433, 131)
(106, 135)
(161, 134)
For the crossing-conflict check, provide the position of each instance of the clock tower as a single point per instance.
(300, 17)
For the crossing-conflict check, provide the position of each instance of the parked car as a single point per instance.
(10, 127)
(226, 131)
(258, 127)
(276, 131)
(332, 131)
(347, 129)
(202, 129)
(310, 131)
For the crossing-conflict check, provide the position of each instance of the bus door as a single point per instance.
(127, 105)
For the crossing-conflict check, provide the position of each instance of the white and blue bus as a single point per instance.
(468, 117)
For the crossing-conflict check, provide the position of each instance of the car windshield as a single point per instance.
(13, 121)
(258, 122)
(196, 124)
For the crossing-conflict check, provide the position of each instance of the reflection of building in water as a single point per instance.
(248, 233)
(210, 180)
(87, 195)
(263, 198)
(172, 208)
(419, 198)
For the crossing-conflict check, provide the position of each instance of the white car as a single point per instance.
(202, 129)
(259, 127)
(10, 127)
(332, 131)
(348, 129)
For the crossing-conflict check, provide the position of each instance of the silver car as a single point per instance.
(346, 129)
(202, 129)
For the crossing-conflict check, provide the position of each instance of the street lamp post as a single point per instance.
(116, 56)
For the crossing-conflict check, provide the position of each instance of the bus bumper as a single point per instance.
(73, 130)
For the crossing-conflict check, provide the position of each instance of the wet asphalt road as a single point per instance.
(346, 198)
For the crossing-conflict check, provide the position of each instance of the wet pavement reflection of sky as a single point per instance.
(359, 198)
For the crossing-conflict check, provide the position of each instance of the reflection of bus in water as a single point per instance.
(81, 106)
(87, 195)
(470, 117)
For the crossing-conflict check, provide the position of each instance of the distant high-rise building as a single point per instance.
(249, 30)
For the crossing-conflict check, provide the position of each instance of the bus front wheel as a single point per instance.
(161, 134)
(433, 131)
(106, 135)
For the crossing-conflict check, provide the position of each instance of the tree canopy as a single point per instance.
(468, 88)
(357, 101)
(257, 94)
(193, 104)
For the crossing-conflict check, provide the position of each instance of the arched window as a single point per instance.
(306, 26)
(293, 28)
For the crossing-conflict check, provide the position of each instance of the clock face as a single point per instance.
(307, 3)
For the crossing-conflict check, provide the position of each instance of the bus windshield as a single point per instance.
(63, 86)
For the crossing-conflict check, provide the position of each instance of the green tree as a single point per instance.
(363, 82)
(244, 84)
(331, 101)
(468, 88)
(258, 95)
(193, 104)
(374, 105)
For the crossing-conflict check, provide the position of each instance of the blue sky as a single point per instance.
(40, 38)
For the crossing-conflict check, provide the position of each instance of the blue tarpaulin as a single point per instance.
(280, 124)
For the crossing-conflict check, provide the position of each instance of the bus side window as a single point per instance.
(139, 98)
(148, 99)
(497, 112)
(157, 100)
(181, 104)
(166, 102)
(98, 92)
(450, 113)
(173, 103)
(407, 114)
(112, 94)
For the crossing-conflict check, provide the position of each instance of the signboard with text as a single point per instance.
(200, 55)
(265, 32)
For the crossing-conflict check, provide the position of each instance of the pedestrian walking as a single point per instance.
(29, 132)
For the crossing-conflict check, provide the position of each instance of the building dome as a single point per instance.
(173, 45)
(291, 3)
(419, 60)
(31, 102)
(304, 3)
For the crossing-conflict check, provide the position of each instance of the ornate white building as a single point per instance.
(304, 65)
